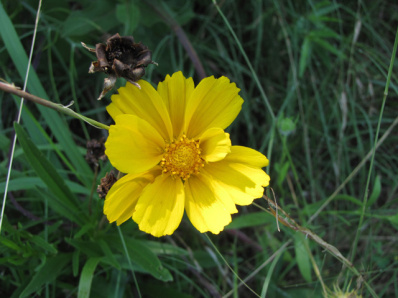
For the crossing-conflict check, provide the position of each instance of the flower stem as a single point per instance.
(59, 108)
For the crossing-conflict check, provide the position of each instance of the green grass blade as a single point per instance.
(269, 274)
(45, 170)
(86, 277)
(138, 253)
(366, 193)
(47, 273)
(56, 123)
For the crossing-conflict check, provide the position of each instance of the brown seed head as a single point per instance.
(95, 151)
(106, 184)
(120, 57)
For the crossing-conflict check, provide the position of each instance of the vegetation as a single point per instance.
(314, 76)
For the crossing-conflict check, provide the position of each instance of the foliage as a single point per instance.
(313, 85)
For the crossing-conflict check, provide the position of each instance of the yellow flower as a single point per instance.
(171, 144)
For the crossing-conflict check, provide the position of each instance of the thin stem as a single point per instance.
(365, 197)
(59, 108)
(255, 77)
(289, 222)
(229, 266)
(129, 260)
(306, 139)
(354, 172)
(19, 115)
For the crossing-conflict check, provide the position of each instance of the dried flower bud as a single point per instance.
(95, 151)
(106, 184)
(120, 57)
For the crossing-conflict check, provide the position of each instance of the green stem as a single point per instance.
(59, 108)
(249, 64)
(129, 261)
(365, 197)
(229, 266)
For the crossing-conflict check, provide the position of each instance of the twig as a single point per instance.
(59, 108)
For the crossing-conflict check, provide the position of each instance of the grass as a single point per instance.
(314, 76)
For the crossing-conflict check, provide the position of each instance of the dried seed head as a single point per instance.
(120, 57)
(106, 184)
(95, 151)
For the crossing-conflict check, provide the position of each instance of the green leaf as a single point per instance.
(66, 209)
(141, 256)
(329, 47)
(4, 142)
(393, 219)
(97, 16)
(129, 15)
(250, 220)
(86, 277)
(345, 197)
(302, 257)
(47, 273)
(282, 170)
(25, 183)
(304, 57)
(147, 260)
(10, 244)
(375, 192)
(75, 262)
(90, 248)
(109, 255)
(269, 274)
(63, 197)
(160, 248)
(40, 242)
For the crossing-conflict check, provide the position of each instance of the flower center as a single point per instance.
(182, 158)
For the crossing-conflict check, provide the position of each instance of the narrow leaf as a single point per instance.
(269, 274)
(86, 277)
(141, 255)
(304, 57)
(250, 220)
(375, 192)
(55, 121)
(45, 170)
(47, 273)
(302, 257)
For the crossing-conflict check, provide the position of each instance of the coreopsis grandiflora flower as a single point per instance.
(172, 146)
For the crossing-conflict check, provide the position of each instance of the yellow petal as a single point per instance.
(215, 144)
(213, 103)
(123, 196)
(161, 206)
(248, 156)
(145, 103)
(174, 91)
(243, 181)
(133, 146)
(208, 208)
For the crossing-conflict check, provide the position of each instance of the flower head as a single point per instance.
(120, 57)
(171, 144)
